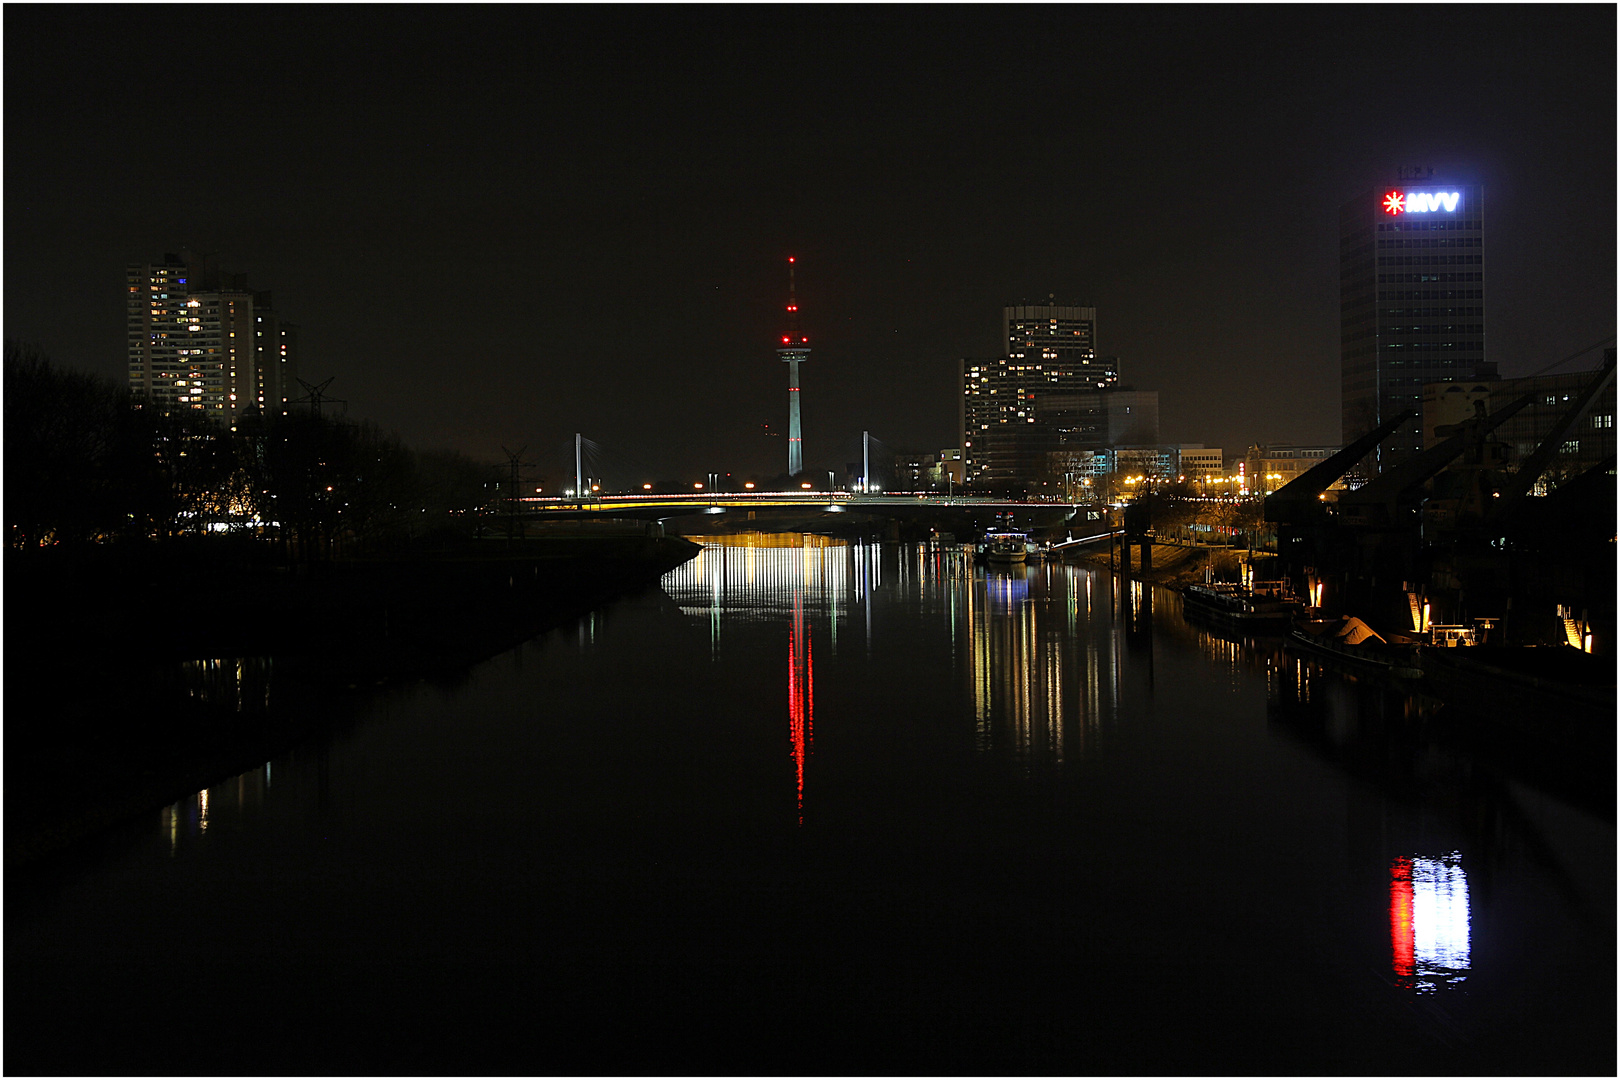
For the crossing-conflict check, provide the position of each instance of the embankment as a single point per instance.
(137, 676)
(1173, 565)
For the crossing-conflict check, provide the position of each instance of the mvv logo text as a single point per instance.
(1421, 202)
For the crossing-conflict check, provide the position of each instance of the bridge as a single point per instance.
(583, 501)
(650, 506)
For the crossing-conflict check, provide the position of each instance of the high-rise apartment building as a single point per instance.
(1051, 392)
(202, 343)
(1412, 302)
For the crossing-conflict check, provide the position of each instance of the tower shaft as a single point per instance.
(795, 440)
(795, 349)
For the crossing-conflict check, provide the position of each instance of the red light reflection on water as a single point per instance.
(801, 695)
(1429, 921)
(1401, 934)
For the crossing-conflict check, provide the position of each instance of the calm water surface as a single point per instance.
(821, 807)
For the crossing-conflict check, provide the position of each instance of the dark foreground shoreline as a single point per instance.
(139, 676)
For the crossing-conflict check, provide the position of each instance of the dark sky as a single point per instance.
(498, 225)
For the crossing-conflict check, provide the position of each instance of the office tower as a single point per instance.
(1050, 393)
(1412, 302)
(795, 349)
(1059, 338)
(199, 342)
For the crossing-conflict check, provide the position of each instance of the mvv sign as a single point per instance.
(1421, 202)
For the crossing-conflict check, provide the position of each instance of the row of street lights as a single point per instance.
(748, 485)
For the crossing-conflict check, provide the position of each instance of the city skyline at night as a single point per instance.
(587, 236)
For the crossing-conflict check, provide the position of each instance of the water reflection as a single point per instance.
(988, 743)
(1428, 921)
(801, 695)
(1024, 671)
(754, 578)
(760, 578)
(1031, 666)
(240, 684)
(1433, 794)
(1042, 657)
(189, 819)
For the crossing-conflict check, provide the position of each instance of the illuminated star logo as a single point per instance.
(1394, 202)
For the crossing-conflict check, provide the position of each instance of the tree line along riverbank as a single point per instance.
(142, 673)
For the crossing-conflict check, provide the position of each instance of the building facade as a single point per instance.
(1197, 463)
(1058, 337)
(1264, 469)
(941, 471)
(1588, 443)
(1412, 303)
(1050, 393)
(1122, 468)
(198, 342)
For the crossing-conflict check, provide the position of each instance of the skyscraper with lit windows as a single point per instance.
(199, 342)
(1050, 392)
(1057, 339)
(1412, 302)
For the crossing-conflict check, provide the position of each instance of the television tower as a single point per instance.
(795, 347)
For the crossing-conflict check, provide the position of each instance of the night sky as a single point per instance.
(500, 225)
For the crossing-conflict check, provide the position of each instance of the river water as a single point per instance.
(825, 807)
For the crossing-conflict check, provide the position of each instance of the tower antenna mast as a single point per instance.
(794, 350)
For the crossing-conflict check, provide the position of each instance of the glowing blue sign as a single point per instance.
(1421, 202)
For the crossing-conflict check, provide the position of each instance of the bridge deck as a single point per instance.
(700, 502)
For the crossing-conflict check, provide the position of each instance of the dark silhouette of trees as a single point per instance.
(84, 464)
(73, 472)
(192, 463)
(339, 487)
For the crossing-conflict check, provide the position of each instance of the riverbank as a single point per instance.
(166, 670)
(1174, 566)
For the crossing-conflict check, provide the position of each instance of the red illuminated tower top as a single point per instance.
(792, 339)
(794, 348)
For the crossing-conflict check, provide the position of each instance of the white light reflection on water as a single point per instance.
(1038, 687)
(1429, 922)
(753, 578)
(760, 578)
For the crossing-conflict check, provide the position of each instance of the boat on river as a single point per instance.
(1356, 646)
(1005, 549)
(1264, 608)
